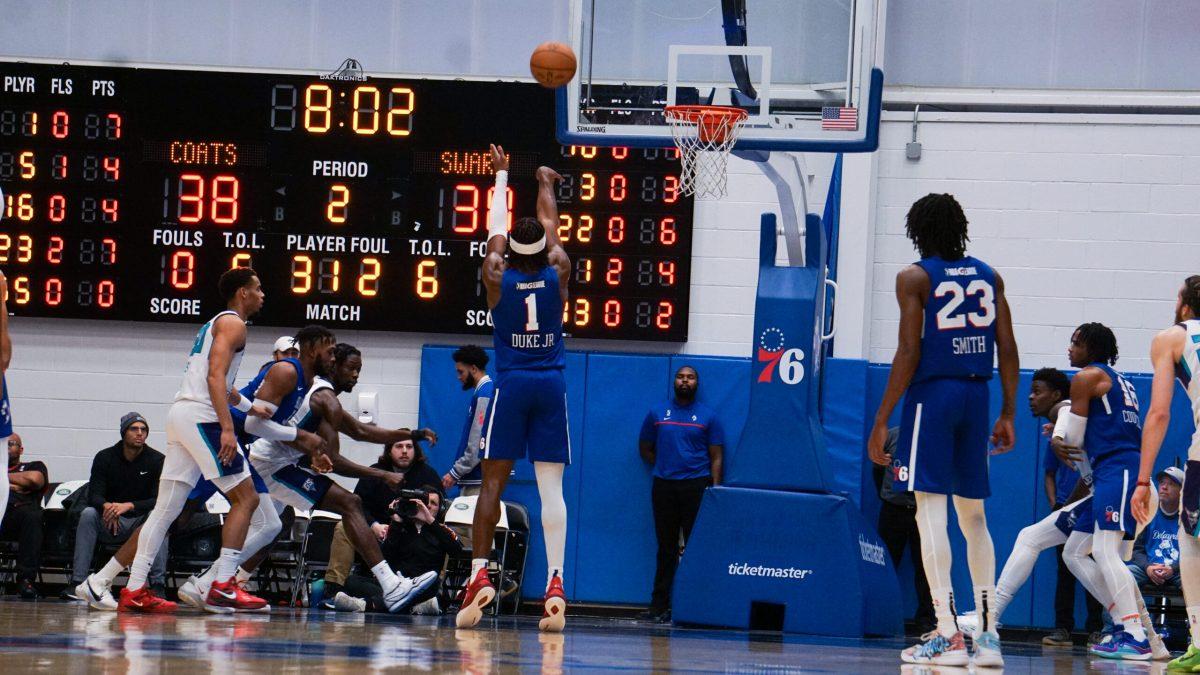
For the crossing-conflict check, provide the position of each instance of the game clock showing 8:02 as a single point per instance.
(128, 191)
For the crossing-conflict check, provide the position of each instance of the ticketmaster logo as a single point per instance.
(871, 552)
(748, 570)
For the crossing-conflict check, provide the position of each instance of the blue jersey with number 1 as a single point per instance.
(528, 322)
(958, 337)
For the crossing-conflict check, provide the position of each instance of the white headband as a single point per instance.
(528, 249)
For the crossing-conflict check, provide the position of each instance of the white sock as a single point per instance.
(227, 563)
(385, 576)
(210, 575)
(554, 514)
(243, 576)
(478, 564)
(935, 555)
(1106, 549)
(109, 572)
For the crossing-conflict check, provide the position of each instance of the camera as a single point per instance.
(402, 506)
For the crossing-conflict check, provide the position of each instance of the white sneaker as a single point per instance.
(193, 593)
(987, 651)
(348, 603)
(399, 597)
(428, 608)
(968, 623)
(98, 595)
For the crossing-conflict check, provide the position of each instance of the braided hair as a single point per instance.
(1100, 341)
(937, 226)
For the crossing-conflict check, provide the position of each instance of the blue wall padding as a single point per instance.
(825, 587)
(608, 488)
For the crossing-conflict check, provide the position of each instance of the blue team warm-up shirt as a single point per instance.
(959, 334)
(528, 322)
(1162, 539)
(681, 435)
(1065, 477)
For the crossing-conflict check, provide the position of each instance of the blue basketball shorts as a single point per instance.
(529, 417)
(298, 487)
(943, 445)
(1075, 517)
(1114, 477)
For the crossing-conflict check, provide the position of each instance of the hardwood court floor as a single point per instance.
(50, 636)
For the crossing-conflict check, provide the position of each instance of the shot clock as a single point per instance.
(127, 192)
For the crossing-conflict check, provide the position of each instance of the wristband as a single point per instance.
(243, 404)
(1143, 483)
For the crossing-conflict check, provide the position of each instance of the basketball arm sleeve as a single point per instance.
(1070, 428)
(470, 456)
(269, 429)
(498, 209)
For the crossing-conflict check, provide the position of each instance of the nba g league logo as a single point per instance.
(788, 363)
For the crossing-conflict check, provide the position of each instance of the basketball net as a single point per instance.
(704, 134)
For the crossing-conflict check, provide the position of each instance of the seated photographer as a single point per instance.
(417, 542)
(1155, 561)
(404, 457)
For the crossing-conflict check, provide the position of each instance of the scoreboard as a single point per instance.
(361, 204)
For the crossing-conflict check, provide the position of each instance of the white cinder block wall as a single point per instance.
(1087, 218)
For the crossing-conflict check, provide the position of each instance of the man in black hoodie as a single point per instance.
(120, 494)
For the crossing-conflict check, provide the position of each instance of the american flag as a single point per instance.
(845, 119)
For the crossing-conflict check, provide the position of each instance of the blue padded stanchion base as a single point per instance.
(811, 553)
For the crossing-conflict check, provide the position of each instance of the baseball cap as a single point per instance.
(285, 343)
(1174, 472)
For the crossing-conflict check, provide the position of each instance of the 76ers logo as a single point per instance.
(788, 362)
(1112, 515)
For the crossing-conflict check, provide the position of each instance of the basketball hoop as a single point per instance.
(704, 134)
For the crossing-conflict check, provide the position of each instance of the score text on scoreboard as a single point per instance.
(360, 204)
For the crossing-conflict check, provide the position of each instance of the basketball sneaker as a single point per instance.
(348, 603)
(1158, 648)
(142, 600)
(228, 597)
(401, 596)
(97, 595)
(554, 616)
(987, 651)
(479, 594)
(939, 650)
(191, 593)
(1188, 662)
(1123, 646)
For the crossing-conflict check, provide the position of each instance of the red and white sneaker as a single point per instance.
(480, 594)
(142, 600)
(227, 597)
(554, 616)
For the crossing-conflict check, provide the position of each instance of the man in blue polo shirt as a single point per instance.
(684, 442)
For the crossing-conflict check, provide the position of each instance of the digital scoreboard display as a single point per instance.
(128, 191)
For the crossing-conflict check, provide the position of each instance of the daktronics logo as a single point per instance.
(748, 570)
(871, 552)
(789, 363)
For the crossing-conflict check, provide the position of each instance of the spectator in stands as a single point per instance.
(683, 441)
(898, 529)
(415, 544)
(23, 520)
(285, 348)
(470, 365)
(405, 457)
(1049, 387)
(121, 491)
(1155, 559)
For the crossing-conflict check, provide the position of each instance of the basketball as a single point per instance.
(552, 64)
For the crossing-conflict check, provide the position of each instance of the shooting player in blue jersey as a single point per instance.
(526, 281)
(954, 321)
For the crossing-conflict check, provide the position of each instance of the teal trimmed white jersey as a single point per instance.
(1187, 371)
(195, 375)
(272, 454)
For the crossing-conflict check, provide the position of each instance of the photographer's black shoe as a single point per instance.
(27, 591)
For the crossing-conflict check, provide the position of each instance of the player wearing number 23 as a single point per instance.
(954, 322)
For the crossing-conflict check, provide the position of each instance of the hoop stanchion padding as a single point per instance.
(812, 554)
(782, 446)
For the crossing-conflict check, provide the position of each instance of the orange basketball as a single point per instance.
(552, 64)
